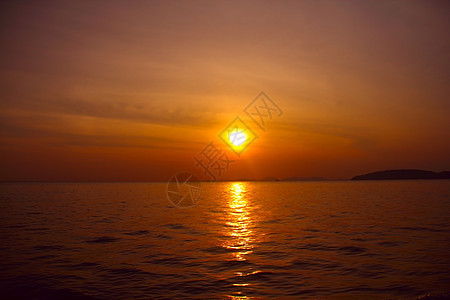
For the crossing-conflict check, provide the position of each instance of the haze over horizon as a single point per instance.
(116, 91)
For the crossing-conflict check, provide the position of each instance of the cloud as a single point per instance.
(21, 128)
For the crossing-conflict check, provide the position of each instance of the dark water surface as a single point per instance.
(385, 239)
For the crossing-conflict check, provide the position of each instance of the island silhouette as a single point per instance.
(397, 174)
(403, 174)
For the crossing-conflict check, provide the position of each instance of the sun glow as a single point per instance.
(237, 137)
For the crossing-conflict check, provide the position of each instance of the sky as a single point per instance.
(136, 90)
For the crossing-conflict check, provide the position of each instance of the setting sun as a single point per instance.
(237, 137)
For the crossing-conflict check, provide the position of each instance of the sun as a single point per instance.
(237, 137)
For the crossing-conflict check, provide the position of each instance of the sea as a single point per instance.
(241, 240)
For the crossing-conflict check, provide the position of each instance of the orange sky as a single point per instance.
(133, 91)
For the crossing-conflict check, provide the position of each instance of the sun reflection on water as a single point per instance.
(240, 237)
(239, 222)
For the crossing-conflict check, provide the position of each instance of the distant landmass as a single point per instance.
(403, 174)
(269, 179)
(294, 179)
(304, 179)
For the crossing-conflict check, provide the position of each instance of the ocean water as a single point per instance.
(244, 240)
